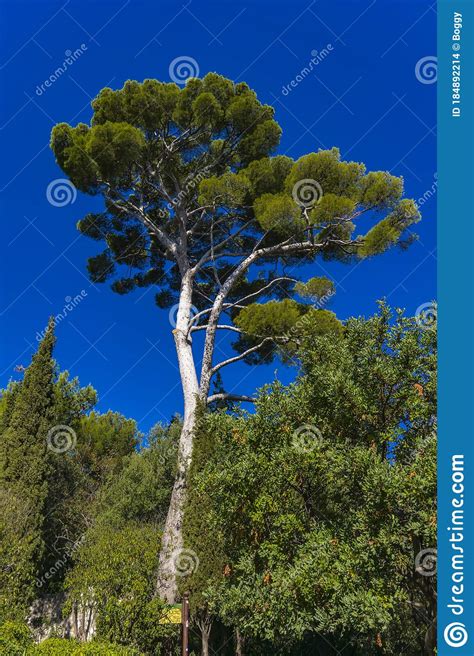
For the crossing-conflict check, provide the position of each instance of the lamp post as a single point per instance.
(185, 623)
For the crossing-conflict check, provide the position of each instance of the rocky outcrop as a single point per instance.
(46, 619)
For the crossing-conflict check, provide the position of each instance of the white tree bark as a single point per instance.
(176, 249)
(172, 541)
(239, 644)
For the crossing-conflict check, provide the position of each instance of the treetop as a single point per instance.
(192, 185)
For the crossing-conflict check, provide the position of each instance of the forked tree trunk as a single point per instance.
(171, 558)
(172, 541)
(170, 561)
(205, 629)
(204, 623)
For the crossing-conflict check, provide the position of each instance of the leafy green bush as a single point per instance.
(15, 638)
(317, 506)
(55, 647)
(115, 572)
(62, 647)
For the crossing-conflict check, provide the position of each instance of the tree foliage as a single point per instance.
(321, 500)
(115, 575)
(198, 204)
(307, 517)
(305, 520)
(47, 486)
(192, 185)
(25, 475)
(16, 640)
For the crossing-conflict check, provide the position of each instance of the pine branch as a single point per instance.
(224, 396)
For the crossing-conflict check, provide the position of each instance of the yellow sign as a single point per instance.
(172, 615)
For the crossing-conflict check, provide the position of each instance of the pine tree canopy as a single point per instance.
(192, 187)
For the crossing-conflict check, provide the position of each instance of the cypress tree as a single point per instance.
(25, 469)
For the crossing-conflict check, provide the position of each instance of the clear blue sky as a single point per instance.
(364, 97)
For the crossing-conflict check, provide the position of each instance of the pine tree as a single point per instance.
(197, 204)
(25, 469)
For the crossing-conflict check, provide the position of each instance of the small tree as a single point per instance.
(196, 204)
(112, 587)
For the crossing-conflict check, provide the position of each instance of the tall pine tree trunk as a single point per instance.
(172, 542)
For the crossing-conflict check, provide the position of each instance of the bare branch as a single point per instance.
(224, 396)
(209, 255)
(165, 240)
(260, 291)
(218, 327)
(241, 356)
(282, 248)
